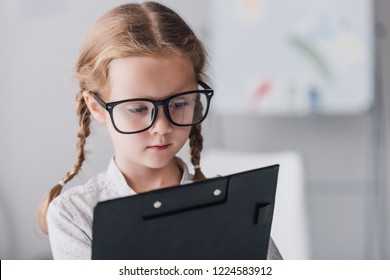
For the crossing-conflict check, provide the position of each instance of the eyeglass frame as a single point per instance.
(109, 107)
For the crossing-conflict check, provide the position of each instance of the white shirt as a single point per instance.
(70, 215)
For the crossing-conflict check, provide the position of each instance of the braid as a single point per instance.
(84, 122)
(196, 145)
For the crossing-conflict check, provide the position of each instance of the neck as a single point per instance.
(143, 179)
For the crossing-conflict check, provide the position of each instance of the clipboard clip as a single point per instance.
(183, 199)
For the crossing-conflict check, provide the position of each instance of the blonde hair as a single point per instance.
(128, 30)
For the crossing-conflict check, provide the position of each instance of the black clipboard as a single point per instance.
(227, 217)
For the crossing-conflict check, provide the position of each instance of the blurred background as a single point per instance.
(303, 83)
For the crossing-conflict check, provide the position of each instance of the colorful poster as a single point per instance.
(292, 57)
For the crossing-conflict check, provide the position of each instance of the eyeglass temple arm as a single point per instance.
(203, 85)
(99, 100)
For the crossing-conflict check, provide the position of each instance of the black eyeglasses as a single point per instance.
(137, 115)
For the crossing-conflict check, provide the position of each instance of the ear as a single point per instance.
(94, 107)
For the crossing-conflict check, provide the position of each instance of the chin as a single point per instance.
(158, 163)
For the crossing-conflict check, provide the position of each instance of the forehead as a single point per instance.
(150, 76)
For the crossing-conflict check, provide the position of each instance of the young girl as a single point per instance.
(141, 74)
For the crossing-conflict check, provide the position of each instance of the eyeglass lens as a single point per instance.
(185, 109)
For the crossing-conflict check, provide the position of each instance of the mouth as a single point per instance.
(159, 147)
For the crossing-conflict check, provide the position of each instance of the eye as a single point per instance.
(178, 103)
(137, 108)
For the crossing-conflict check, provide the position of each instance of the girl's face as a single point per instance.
(155, 78)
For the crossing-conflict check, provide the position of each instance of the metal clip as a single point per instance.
(157, 204)
(217, 192)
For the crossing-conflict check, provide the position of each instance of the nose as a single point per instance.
(161, 125)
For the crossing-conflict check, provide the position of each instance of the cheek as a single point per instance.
(111, 130)
(120, 141)
(183, 133)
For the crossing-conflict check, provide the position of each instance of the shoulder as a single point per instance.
(91, 190)
(273, 251)
(69, 220)
(77, 203)
(83, 198)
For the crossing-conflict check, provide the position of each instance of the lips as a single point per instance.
(159, 147)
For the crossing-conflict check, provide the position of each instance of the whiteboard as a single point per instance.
(292, 57)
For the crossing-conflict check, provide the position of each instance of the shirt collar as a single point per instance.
(115, 179)
(187, 177)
